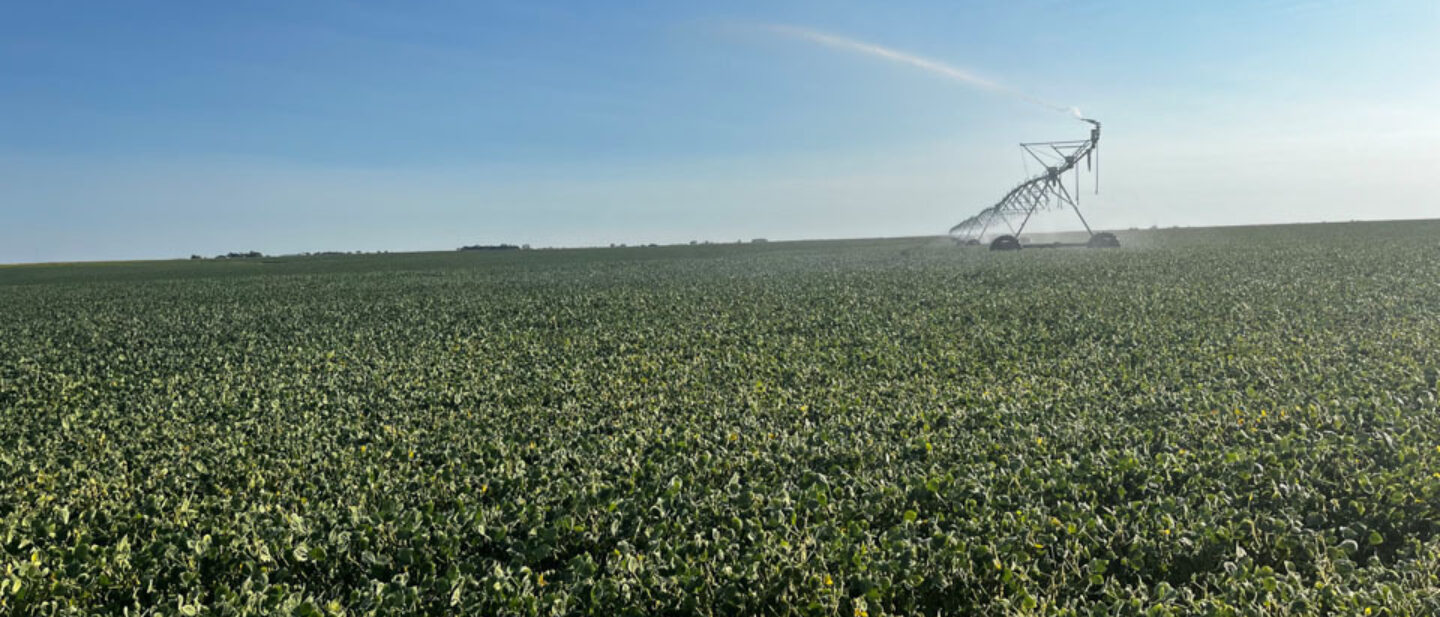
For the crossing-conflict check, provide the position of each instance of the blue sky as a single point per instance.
(161, 129)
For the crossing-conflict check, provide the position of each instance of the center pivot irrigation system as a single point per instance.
(1045, 191)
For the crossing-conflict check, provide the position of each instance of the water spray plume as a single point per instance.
(934, 66)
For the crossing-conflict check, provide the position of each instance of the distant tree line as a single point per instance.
(258, 254)
(493, 247)
(245, 255)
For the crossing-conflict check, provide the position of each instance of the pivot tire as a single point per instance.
(1005, 243)
(1103, 240)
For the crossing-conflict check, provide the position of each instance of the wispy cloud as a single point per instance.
(934, 66)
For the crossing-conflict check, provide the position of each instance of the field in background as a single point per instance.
(1225, 421)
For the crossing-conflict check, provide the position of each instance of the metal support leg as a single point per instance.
(1076, 207)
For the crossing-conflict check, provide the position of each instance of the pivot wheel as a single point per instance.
(1005, 243)
(1103, 240)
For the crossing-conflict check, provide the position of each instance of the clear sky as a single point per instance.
(160, 129)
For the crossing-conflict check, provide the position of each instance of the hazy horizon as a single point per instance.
(162, 130)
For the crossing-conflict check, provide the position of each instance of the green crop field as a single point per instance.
(1206, 422)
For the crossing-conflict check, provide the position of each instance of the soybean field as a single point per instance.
(1204, 422)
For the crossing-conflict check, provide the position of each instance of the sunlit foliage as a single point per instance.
(1229, 424)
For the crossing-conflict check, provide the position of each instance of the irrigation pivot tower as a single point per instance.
(1045, 191)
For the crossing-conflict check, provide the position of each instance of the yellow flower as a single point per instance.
(362, 449)
(861, 612)
(541, 581)
(1039, 441)
(828, 581)
(412, 454)
(1165, 532)
(1367, 610)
